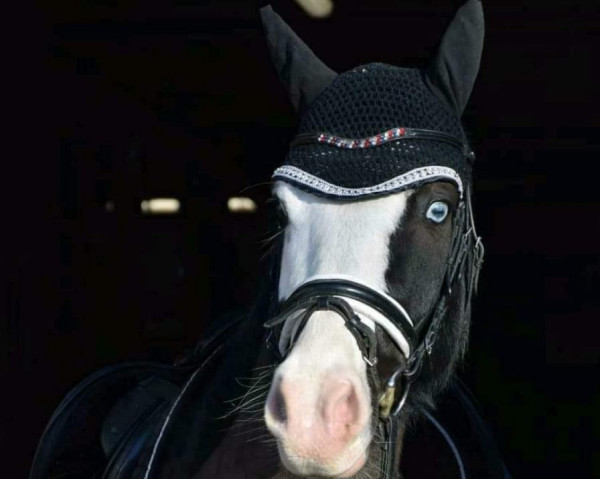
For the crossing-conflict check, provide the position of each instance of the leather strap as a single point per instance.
(348, 289)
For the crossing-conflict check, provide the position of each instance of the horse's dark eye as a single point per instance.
(277, 214)
(282, 217)
(437, 212)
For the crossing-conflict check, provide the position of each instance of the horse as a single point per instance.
(365, 310)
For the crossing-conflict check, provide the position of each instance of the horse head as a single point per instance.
(378, 257)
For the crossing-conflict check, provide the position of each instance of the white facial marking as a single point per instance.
(325, 237)
(330, 237)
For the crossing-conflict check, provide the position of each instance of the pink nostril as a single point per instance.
(341, 411)
(276, 404)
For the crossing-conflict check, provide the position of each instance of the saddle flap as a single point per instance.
(133, 408)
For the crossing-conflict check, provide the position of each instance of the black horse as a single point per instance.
(364, 315)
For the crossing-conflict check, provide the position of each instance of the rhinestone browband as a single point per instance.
(395, 134)
(418, 175)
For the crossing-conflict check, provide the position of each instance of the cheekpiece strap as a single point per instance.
(395, 134)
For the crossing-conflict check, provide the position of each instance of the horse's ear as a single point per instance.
(302, 73)
(451, 74)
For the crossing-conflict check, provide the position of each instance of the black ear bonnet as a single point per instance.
(378, 129)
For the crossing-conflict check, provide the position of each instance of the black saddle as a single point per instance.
(109, 425)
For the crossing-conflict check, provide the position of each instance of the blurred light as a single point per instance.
(160, 206)
(109, 206)
(241, 204)
(317, 8)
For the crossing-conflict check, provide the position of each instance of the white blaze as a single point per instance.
(325, 237)
(331, 237)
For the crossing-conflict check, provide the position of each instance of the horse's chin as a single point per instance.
(346, 465)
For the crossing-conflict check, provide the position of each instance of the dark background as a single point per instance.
(120, 101)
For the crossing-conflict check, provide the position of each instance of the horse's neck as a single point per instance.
(245, 452)
(247, 449)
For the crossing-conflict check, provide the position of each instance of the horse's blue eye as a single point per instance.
(437, 212)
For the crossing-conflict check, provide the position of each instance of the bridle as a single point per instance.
(416, 342)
